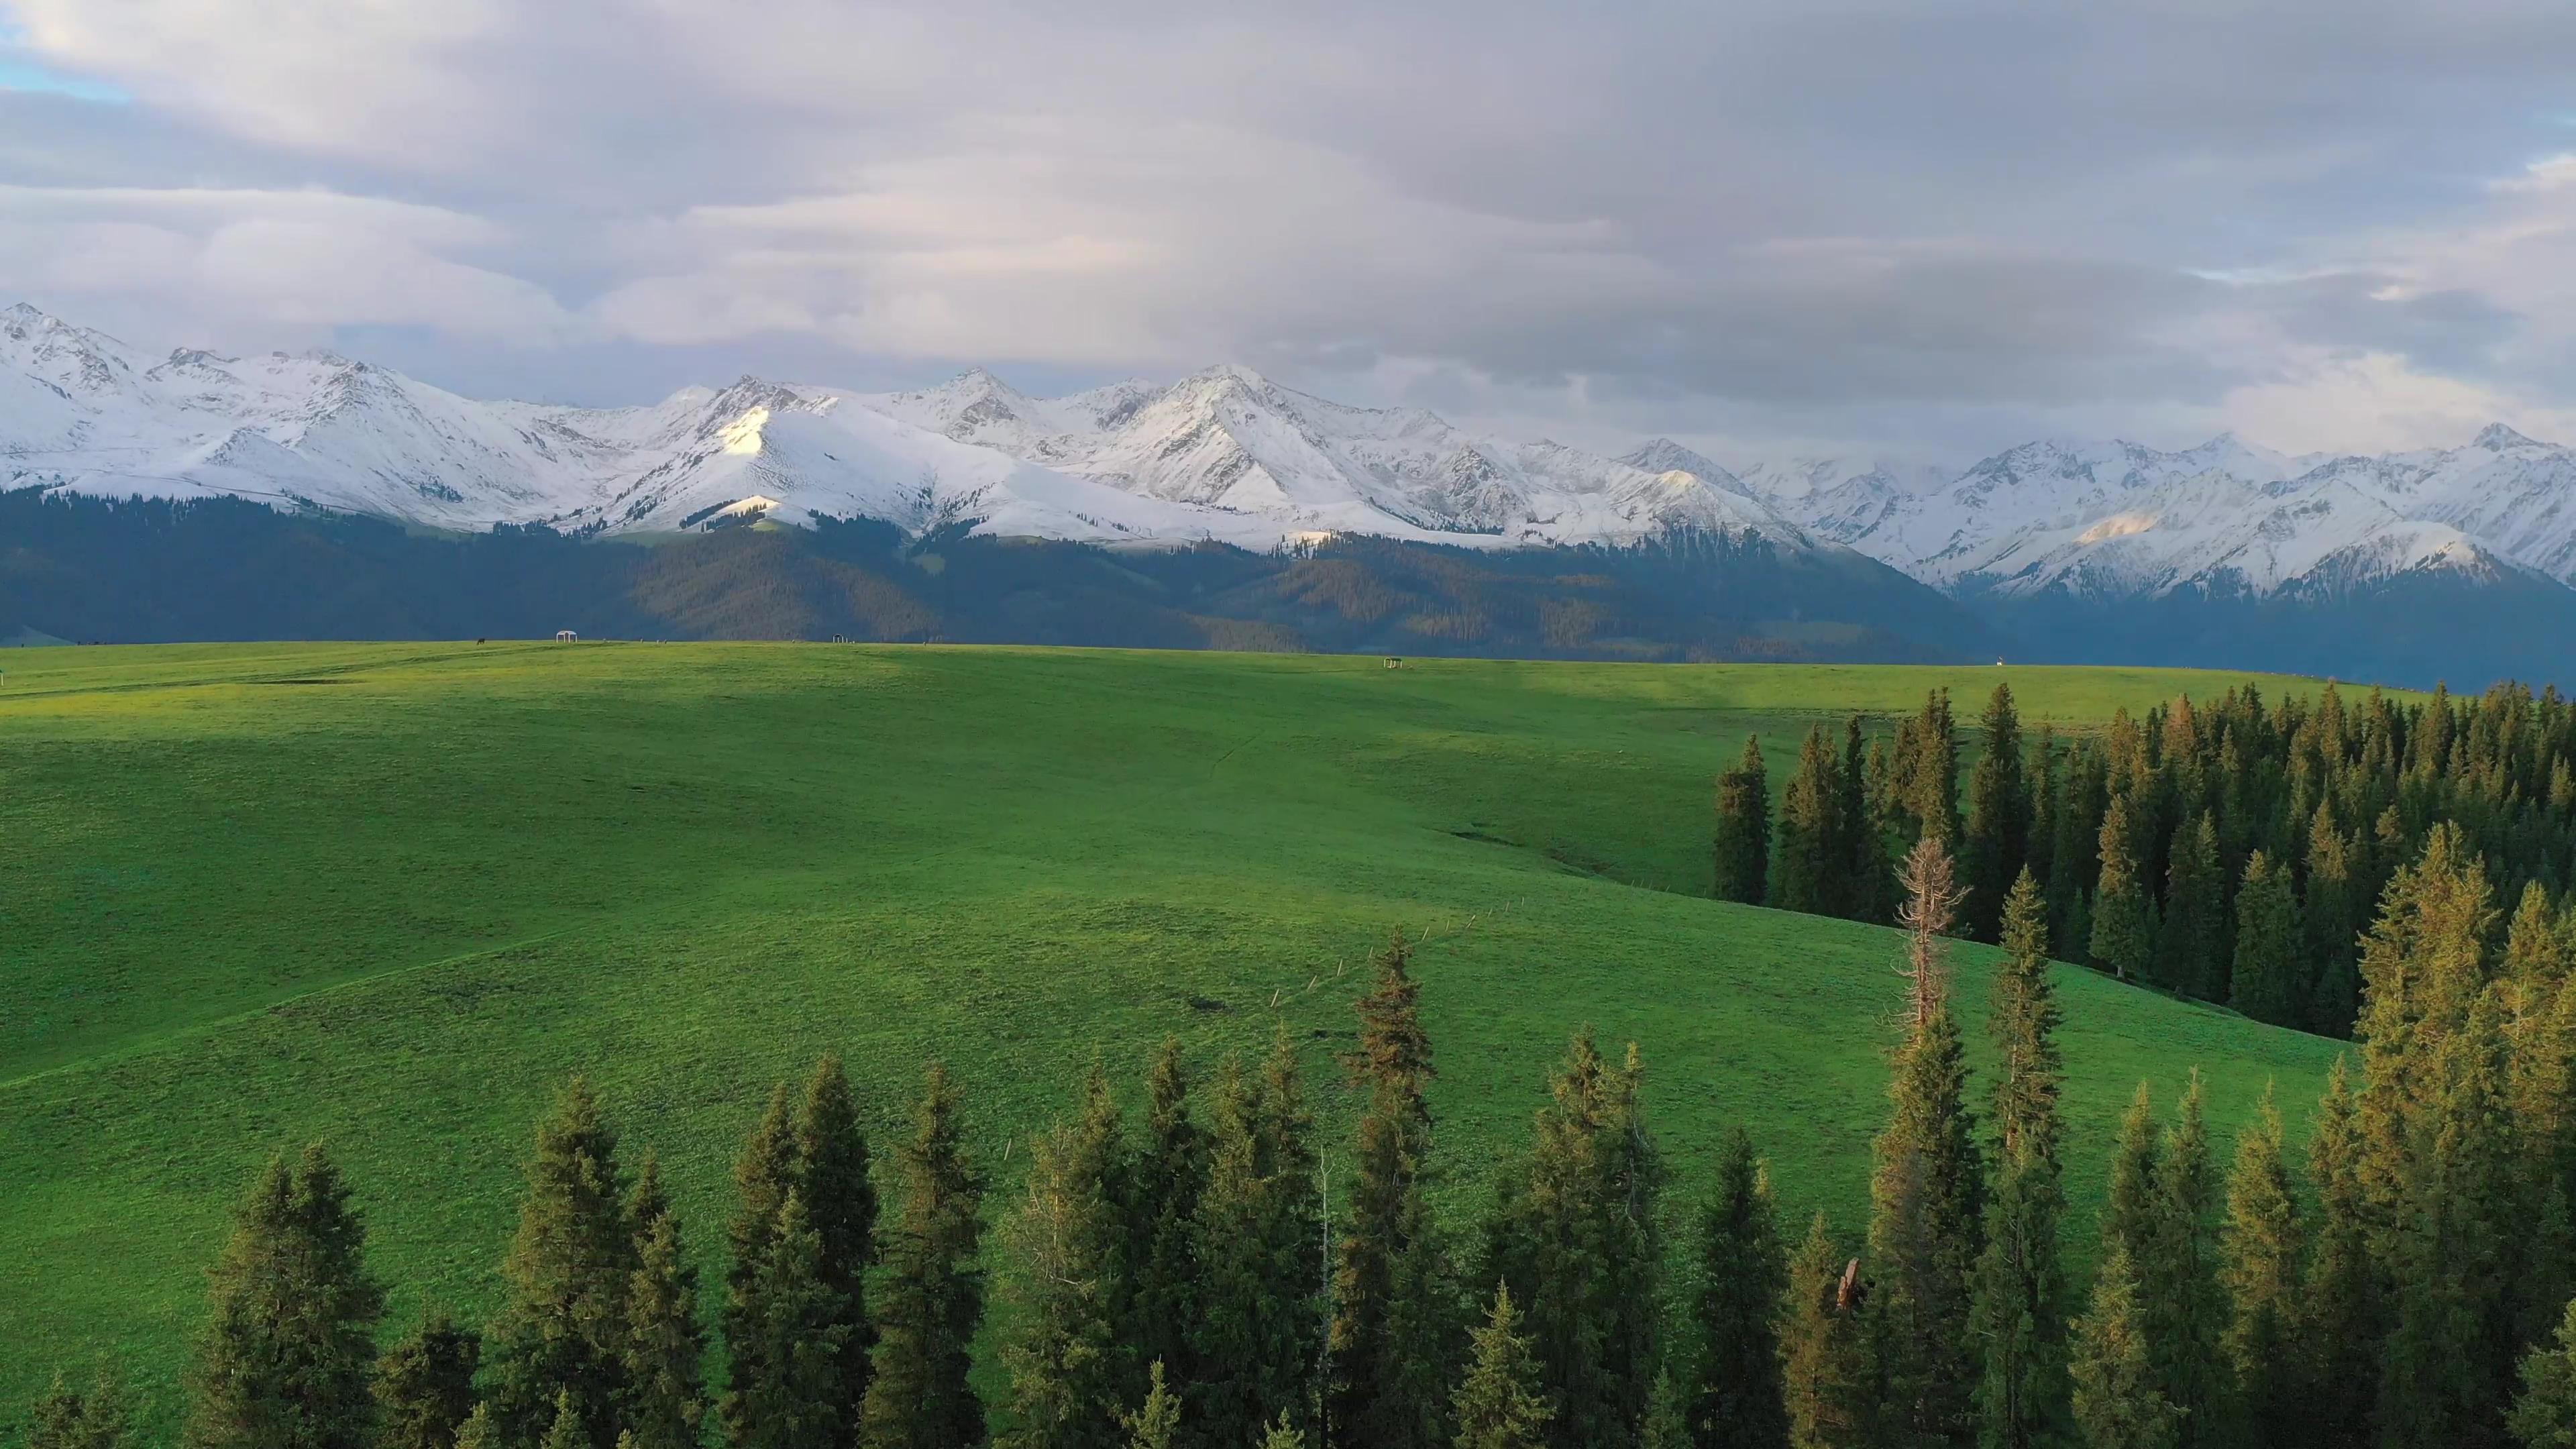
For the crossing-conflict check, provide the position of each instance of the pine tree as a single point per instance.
(1867, 887)
(2341, 1321)
(1156, 1424)
(2265, 984)
(664, 1349)
(1497, 1405)
(1811, 861)
(1282, 1435)
(562, 1328)
(425, 1385)
(832, 1165)
(2261, 1249)
(1063, 1353)
(288, 1355)
(1261, 1329)
(764, 1175)
(66, 1418)
(1574, 1234)
(1926, 1187)
(794, 1324)
(1732, 1390)
(1999, 810)
(564, 1425)
(1744, 828)
(2544, 1417)
(2188, 944)
(2129, 1210)
(2019, 1311)
(2330, 914)
(1387, 1350)
(931, 1299)
(1819, 1349)
(1162, 1300)
(2124, 921)
(2184, 1308)
(478, 1431)
(2116, 1398)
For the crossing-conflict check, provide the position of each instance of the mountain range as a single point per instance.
(2222, 553)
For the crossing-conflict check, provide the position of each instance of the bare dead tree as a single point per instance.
(1932, 896)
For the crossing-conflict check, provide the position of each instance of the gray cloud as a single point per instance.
(1770, 221)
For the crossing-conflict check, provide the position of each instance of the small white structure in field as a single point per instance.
(1394, 663)
(565, 636)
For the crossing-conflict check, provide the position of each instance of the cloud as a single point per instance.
(1805, 219)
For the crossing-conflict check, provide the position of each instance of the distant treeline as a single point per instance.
(1176, 1278)
(146, 571)
(2232, 850)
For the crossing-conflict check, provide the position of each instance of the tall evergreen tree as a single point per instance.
(2265, 984)
(1732, 1388)
(2341, 1322)
(2185, 1308)
(2261, 1249)
(931, 1299)
(1574, 1234)
(1156, 1424)
(562, 1327)
(287, 1357)
(832, 1176)
(1999, 810)
(2188, 943)
(792, 1395)
(1810, 865)
(97, 1418)
(2117, 1401)
(2129, 1209)
(763, 1177)
(1161, 1304)
(1388, 1348)
(1820, 1349)
(2544, 1417)
(665, 1349)
(425, 1385)
(1497, 1405)
(1926, 1187)
(2124, 919)
(2019, 1311)
(1261, 1328)
(1870, 884)
(2330, 912)
(1743, 849)
(1063, 1353)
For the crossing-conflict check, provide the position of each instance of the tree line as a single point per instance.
(2231, 851)
(1180, 1278)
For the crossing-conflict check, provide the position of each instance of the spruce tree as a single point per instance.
(1156, 1424)
(1063, 1354)
(2129, 1209)
(287, 1358)
(764, 1175)
(562, 1327)
(1160, 1306)
(2331, 923)
(794, 1324)
(832, 1176)
(2265, 984)
(1261, 1324)
(1388, 1349)
(665, 1349)
(2188, 943)
(1820, 1349)
(1810, 863)
(1497, 1404)
(2544, 1416)
(2341, 1323)
(2019, 1311)
(2261, 1251)
(564, 1424)
(478, 1431)
(2124, 923)
(66, 1418)
(1869, 882)
(1574, 1234)
(1732, 1388)
(1926, 1187)
(2185, 1308)
(2117, 1401)
(1998, 830)
(1743, 848)
(931, 1298)
(425, 1385)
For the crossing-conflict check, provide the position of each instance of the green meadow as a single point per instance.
(390, 896)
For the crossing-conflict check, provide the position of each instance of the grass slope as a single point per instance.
(390, 895)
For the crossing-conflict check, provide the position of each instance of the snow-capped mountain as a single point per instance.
(1225, 455)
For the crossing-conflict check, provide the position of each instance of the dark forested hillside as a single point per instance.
(137, 571)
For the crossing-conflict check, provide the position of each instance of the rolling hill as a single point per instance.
(389, 896)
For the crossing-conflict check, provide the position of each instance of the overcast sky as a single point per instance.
(1897, 227)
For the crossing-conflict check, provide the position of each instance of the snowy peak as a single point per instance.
(1663, 455)
(2497, 438)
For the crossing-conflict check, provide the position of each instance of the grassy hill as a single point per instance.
(390, 895)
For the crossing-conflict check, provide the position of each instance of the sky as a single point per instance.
(1907, 230)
